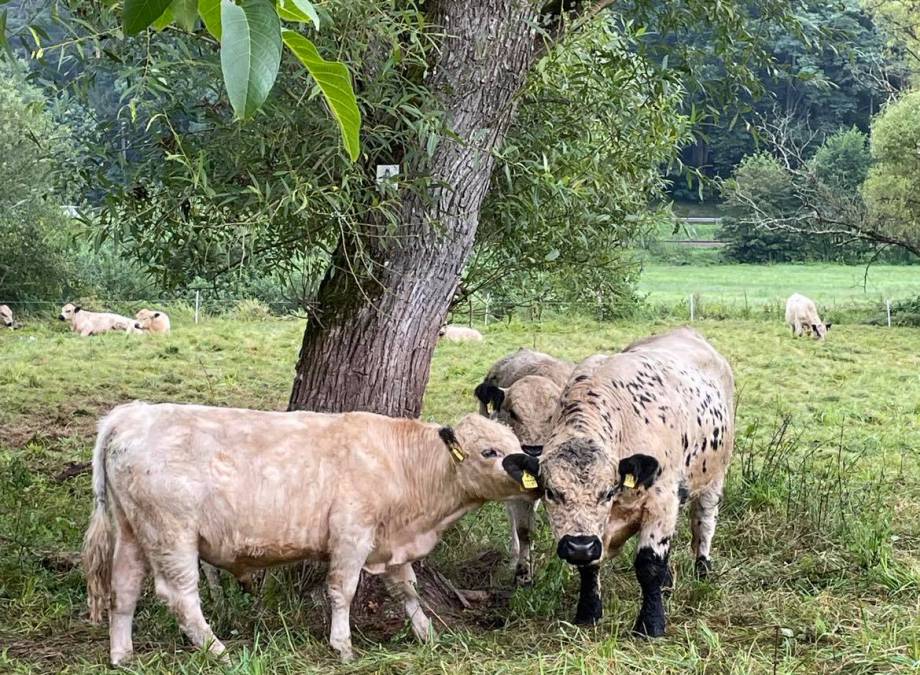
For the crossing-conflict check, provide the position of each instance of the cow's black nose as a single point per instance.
(533, 450)
(579, 550)
(62, 318)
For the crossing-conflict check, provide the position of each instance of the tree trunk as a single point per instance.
(370, 343)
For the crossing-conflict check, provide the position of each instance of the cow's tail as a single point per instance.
(99, 542)
(489, 395)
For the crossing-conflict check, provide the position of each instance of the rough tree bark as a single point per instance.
(370, 344)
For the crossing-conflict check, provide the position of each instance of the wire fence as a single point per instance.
(693, 307)
(201, 304)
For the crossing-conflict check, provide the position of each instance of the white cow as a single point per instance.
(802, 316)
(454, 333)
(153, 321)
(6, 316)
(243, 490)
(94, 323)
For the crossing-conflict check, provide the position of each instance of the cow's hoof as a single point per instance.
(522, 577)
(589, 613)
(119, 659)
(649, 627)
(703, 567)
(586, 619)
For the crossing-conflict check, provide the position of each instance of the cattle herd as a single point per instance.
(612, 447)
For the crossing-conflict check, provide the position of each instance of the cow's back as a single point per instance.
(526, 362)
(668, 396)
(237, 477)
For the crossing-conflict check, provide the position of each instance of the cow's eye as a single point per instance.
(489, 453)
(552, 496)
(607, 496)
(513, 415)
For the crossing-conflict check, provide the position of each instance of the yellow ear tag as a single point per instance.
(457, 452)
(629, 480)
(528, 481)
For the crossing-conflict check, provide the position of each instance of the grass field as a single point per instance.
(817, 554)
(832, 286)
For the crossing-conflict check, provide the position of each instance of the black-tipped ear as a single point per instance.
(642, 468)
(524, 469)
(814, 328)
(827, 326)
(156, 315)
(76, 309)
(450, 440)
(490, 395)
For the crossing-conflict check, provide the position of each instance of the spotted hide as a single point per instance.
(637, 434)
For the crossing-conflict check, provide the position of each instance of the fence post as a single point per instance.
(888, 311)
(197, 304)
(692, 308)
(488, 298)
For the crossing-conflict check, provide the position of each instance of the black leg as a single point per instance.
(652, 573)
(590, 609)
(703, 567)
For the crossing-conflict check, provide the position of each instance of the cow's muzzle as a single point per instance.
(582, 550)
(533, 450)
(62, 317)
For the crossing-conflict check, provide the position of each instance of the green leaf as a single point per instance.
(334, 81)
(139, 14)
(3, 41)
(186, 13)
(165, 19)
(209, 11)
(250, 52)
(301, 11)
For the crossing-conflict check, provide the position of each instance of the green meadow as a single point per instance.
(817, 554)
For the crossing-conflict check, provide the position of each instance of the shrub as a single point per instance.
(33, 225)
(842, 162)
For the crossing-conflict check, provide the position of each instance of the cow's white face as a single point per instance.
(529, 407)
(581, 484)
(67, 312)
(490, 461)
(144, 318)
(6, 316)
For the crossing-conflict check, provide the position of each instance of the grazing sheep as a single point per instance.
(802, 317)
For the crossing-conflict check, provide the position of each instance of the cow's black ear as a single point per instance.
(76, 309)
(490, 395)
(156, 314)
(638, 470)
(524, 469)
(827, 326)
(814, 328)
(450, 440)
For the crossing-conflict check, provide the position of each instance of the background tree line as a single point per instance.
(174, 195)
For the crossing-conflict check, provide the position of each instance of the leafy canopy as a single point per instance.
(251, 34)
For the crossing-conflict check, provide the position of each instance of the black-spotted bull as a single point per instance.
(637, 434)
(522, 390)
